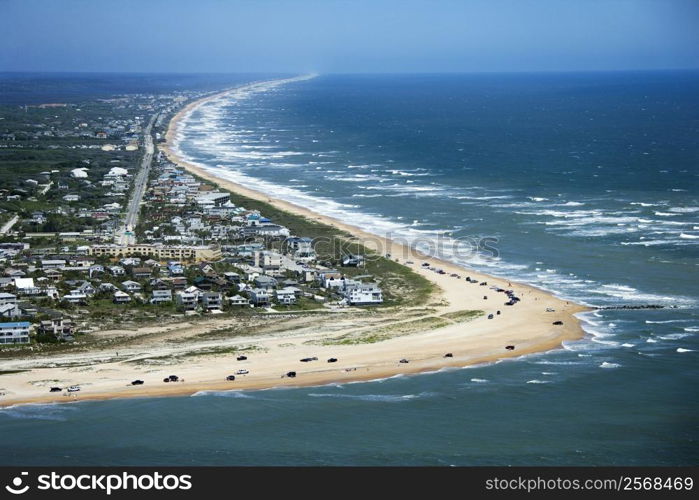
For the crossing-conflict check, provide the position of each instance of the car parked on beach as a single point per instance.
(306, 360)
(332, 360)
(230, 378)
(137, 382)
(74, 388)
(241, 358)
(55, 389)
(242, 372)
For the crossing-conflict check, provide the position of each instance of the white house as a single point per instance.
(130, 286)
(117, 270)
(75, 297)
(363, 294)
(286, 296)
(161, 296)
(238, 300)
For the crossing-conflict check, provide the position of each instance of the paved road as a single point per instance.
(125, 235)
(8, 225)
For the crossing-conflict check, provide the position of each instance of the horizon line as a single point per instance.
(300, 73)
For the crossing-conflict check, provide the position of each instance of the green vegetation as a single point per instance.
(400, 285)
(387, 332)
(462, 316)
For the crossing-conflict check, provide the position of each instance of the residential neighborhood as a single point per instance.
(196, 251)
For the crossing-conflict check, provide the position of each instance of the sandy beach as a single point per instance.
(184, 349)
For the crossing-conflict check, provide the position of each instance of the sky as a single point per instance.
(343, 36)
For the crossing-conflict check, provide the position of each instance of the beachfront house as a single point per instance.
(286, 296)
(15, 333)
(259, 297)
(328, 276)
(212, 301)
(187, 301)
(161, 296)
(363, 294)
(121, 297)
(60, 328)
(212, 199)
(238, 301)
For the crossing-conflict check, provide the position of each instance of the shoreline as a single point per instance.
(526, 325)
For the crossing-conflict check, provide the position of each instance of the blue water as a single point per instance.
(589, 184)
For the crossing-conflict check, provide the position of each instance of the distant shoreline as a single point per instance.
(527, 326)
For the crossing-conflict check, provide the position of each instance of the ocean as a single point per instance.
(585, 184)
